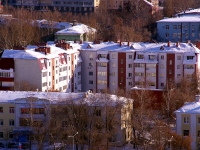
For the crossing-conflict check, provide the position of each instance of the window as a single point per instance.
(130, 83)
(189, 66)
(198, 133)
(174, 35)
(162, 84)
(11, 122)
(1, 122)
(1, 134)
(186, 120)
(122, 61)
(130, 56)
(170, 71)
(162, 66)
(90, 64)
(121, 70)
(178, 75)
(151, 74)
(113, 65)
(140, 56)
(150, 66)
(141, 74)
(113, 56)
(98, 112)
(190, 57)
(139, 65)
(102, 82)
(113, 83)
(10, 135)
(179, 35)
(1, 109)
(178, 57)
(11, 110)
(167, 35)
(129, 74)
(151, 57)
(179, 27)
(198, 119)
(91, 82)
(129, 65)
(186, 133)
(152, 83)
(178, 66)
(101, 64)
(121, 79)
(170, 62)
(90, 73)
(162, 56)
(167, 26)
(162, 75)
(175, 27)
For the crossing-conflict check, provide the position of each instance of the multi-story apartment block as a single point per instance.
(178, 29)
(125, 65)
(78, 6)
(188, 121)
(45, 67)
(23, 113)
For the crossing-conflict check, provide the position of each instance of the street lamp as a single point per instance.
(170, 143)
(73, 138)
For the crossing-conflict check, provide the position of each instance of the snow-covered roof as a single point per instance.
(76, 29)
(140, 46)
(30, 52)
(190, 108)
(181, 19)
(190, 12)
(13, 96)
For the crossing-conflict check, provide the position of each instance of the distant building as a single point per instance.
(76, 31)
(179, 29)
(188, 121)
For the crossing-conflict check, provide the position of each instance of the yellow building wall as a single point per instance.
(6, 116)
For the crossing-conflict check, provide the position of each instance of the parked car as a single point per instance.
(13, 145)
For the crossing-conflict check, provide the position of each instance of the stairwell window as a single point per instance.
(167, 26)
(186, 132)
(186, 120)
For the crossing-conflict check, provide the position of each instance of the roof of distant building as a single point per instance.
(181, 19)
(189, 108)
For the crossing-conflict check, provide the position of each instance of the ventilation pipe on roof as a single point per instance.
(177, 44)
(128, 43)
(168, 44)
(197, 98)
(120, 44)
(188, 41)
(75, 22)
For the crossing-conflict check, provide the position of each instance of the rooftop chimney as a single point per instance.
(188, 41)
(46, 50)
(81, 42)
(198, 44)
(75, 41)
(120, 44)
(128, 43)
(177, 44)
(197, 98)
(75, 22)
(168, 44)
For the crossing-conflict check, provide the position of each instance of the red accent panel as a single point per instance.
(7, 63)
(7, 79)
(108, 70)
(157, 76)
(123, 75)
(170, 67)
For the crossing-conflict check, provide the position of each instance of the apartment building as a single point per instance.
(46, 67)
(188, 121)
(178, 29)
(126, 65)
(23, 113)
(78, 6)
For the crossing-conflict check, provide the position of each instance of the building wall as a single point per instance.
(6, 116)
(32, 75)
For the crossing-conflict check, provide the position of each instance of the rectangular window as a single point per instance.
(170, 62)
(151, 57)
(130, 56)
(190, 57)
(129, 65)
(121, 70)
(139, 65)
(130, 75)
(178, 66)
(140, 56)
(152, 83)
(101, 64)
(198, 133)
(121, 79)
(11, 110)
(113, 65)
(1, 134)
(179, 35)
(10, 135)
(113, 56)
(90, 73)
(141, 74)
(1, 109)
(162, 57)
(1, 122)
(198, 120)
(162, 84)
(179, 27)
(178, 57)
(170, 71)
(167, 26)
(167, 35)
(174, 35)
(189, 66)
(186, 133)
(91, 82)
(175, 27)
(162, 75)
(98, 112)
(11, 122)
(162, 66)
(130, 83)
(186, 120)
(178, 75)
(122, 61)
